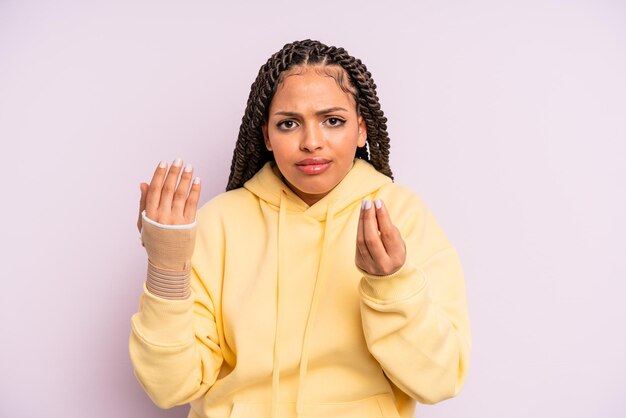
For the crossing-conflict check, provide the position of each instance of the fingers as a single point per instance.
(389, 234)
(180, 195)
(380, 247)
(370, 250)
(154, 190)
(169, 187)
(192, 201)
(143, 187)
(370, 232)
(362, 253)
(168, 200)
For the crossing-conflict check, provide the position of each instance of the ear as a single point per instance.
(268, 145)
(362, 132)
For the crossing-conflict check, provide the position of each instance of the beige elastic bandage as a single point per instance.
(169, 260)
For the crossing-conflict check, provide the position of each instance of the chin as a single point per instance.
(316, 190)
(309, 185)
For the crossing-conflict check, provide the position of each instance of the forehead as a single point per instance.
(311, 88)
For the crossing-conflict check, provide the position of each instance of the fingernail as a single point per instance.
(368, 204)
(188, 168)
(177, 162)
(163, 164)
(378, 203)
(196, 180)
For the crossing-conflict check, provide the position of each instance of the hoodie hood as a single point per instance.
(361, 181)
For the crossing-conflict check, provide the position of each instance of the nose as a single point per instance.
(312, 139)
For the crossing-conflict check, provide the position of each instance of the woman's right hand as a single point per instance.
(166, 202)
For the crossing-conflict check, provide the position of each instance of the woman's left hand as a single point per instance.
(380, 249)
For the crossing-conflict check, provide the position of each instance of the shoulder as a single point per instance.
(407, 210)
(400, 198)
(239, 208)
(227, 212)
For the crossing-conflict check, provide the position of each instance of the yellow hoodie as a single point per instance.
(282, 323)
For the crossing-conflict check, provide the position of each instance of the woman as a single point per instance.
(315, 286)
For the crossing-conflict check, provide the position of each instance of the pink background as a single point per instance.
(508, 118)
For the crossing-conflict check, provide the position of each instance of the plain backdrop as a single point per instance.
(507, 117)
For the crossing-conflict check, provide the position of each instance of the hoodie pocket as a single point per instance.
(378, 406)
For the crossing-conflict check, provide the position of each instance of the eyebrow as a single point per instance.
(319, 112)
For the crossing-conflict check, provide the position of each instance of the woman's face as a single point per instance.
(313, 130)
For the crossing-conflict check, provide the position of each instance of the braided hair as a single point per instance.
(250, 153)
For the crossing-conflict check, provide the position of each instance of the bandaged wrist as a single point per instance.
(169, 248)
(168, 284)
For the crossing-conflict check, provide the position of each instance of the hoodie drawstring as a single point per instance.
(320, 282)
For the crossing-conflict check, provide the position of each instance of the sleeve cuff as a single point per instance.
(164, 322)
(395, 287)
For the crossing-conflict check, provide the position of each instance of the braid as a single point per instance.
(250, 153)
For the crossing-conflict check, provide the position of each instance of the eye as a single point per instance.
(286, 125)
(335, 121)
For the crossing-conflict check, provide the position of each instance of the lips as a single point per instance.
(313, 161)
(313, 165)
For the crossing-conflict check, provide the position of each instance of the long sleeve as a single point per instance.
(415, 321)
(174, 344)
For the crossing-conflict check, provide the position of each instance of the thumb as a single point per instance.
(143, 187)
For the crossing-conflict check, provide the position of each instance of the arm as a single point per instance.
(174, 345)
(415, 316)
(173, 342)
